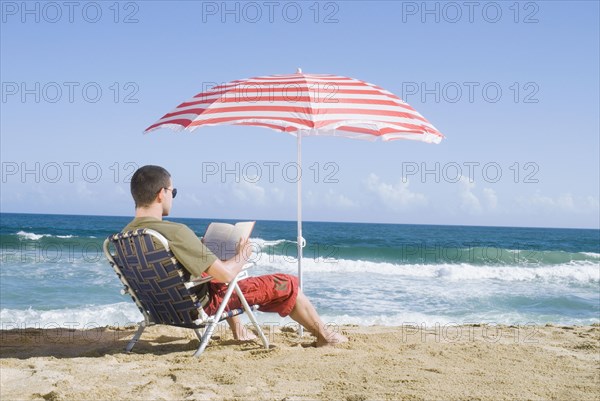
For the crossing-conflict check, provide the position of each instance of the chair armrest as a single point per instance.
(248, 265)
(197, 282)
(203, 280)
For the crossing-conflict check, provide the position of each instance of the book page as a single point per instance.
(243, 229)
(222, 238)
(218, 232)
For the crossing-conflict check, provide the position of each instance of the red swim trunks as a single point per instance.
(272, 293)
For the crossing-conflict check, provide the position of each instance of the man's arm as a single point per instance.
(225, 271)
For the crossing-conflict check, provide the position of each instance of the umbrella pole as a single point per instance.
(300, 240)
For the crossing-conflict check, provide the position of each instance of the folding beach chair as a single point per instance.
(161, 287)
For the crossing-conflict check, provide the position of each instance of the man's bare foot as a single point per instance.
(332, 340)
(244, 335)
(239, 330)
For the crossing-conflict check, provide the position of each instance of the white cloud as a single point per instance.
(469, 202)
(120, 190)
(84, 192)
(309, 198)
(331, 200)
(473, 203)
(194, 199)
(42, 195)
(249, 192)
(395, 196)
(339, 201)
(566, 202)
(563, 203)
(277, 194)
(491, 199)
(590, 203)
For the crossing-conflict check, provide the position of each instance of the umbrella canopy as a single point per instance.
(303, 105)
(314, 104)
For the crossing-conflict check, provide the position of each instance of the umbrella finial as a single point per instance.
(298, 70)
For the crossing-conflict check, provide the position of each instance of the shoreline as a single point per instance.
(475, 361)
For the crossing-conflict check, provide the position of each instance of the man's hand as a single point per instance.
(225, 271)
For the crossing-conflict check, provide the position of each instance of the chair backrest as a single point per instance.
(153, 277)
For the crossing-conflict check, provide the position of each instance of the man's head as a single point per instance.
(150, 185)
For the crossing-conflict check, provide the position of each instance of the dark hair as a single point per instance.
(146, 182)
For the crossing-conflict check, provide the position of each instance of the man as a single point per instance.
(153, 193)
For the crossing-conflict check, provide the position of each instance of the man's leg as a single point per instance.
(240, 332)
(305, 314)
(278, 293)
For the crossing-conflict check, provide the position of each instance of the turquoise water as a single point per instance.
(53, 272)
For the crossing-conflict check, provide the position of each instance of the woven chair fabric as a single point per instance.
(156, 280)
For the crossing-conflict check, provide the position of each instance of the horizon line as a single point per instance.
(311, 221)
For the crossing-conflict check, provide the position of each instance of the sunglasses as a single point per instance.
(174, 191)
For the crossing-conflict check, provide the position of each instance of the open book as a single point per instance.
(223, 238)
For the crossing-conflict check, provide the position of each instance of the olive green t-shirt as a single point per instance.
(185, 245)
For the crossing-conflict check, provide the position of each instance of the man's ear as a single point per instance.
(160, 196)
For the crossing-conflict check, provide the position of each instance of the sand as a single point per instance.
(378, 363)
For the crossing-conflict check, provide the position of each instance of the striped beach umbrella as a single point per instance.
(304, 105)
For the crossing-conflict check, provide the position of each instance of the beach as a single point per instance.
(450, 362)
(432, 313)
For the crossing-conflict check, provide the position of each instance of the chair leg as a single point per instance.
(251, 316)
(198, 334)
(136, 337)
(214, 320)
(205, 338)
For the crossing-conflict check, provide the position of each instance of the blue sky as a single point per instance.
(513, 86)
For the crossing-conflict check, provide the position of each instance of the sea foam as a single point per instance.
(582, 272)
(118, 314)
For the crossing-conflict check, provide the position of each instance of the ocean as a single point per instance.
(53, 272)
